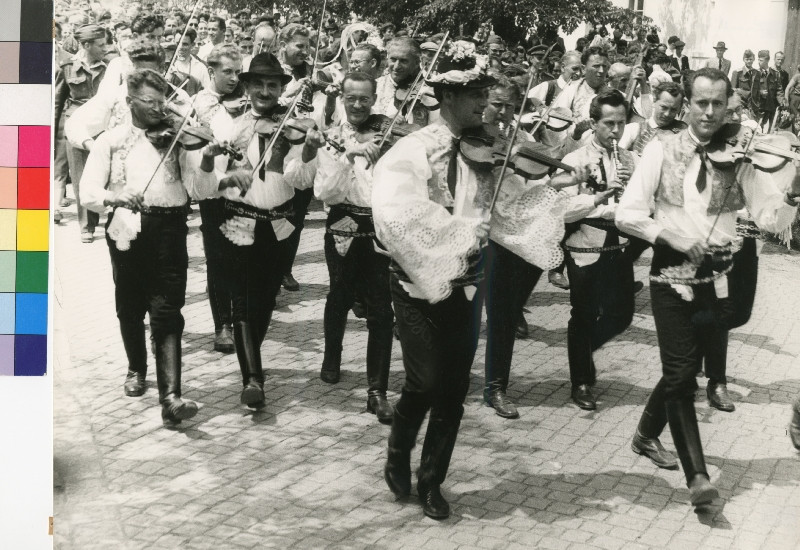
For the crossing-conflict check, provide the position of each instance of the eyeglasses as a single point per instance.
(150, 103)
(192, 24)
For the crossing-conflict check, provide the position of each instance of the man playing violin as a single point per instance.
(224, 67)
(600, 275)
(429, 210)
(357, 270)
(403, 64)
(125, 172)
(667, 105)
(686, 206)
(258, 194)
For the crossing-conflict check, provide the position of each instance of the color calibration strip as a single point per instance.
(25, 118)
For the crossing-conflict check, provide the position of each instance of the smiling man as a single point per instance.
(687, 207)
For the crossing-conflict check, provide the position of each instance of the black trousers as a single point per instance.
(601, 296)
(364, 273)
(212, 215)
(253, 275)
(302, 198)
(438, 342)
(509, 282)
(150, 277)
(742, 282)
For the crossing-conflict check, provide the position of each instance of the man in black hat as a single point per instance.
(77, 81)
(258, 195)
(428, 207)
(677, 60)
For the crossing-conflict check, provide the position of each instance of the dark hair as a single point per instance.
(589, 52)
(144, 24)
(146, 77)
(120, 25)
(387, 27)
(223, 50)
(373, 51)
(660, 59)
(714, 75)
(672, 88)
(191, 34)
(219, 21)
(143, 50)
(504, 83)
(358, 76)
(611, 98)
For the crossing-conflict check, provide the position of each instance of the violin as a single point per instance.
(733, 142)
(235, 103)
(376, 126)
(294, 131)
(557, 119)
(191, 138)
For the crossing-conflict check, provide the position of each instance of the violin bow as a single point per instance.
(319, 33)
(183, 34)
(511, 140)
(420, 75)
(171, 147)
(747, 147)
(268, 148)
(547, 108)
(428, 72)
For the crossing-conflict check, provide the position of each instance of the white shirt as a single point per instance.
(763, 199)
(99, 183)
(194, 68)
(340, 181)
(658, 76)
(118, 68)
(540, 90)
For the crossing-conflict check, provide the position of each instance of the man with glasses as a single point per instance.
(344, 182)
(150, 265)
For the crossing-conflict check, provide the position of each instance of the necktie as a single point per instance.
(720, 64)
(262, 146)
(701, 175)
(452, 168)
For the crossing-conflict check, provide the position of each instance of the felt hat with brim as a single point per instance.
(720, 46)
(265, 65)
(679, 44)
(429, 46)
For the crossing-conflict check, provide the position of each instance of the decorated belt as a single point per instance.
(164, 210)
(352, 210)
(594, 249)
(280, 212)
(599, 223)
(747, 228)
(722, 254)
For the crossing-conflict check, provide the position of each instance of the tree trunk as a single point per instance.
(792, 46)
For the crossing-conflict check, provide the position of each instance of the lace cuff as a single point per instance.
(532, 225)
(431, 246)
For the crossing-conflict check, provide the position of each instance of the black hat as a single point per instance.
(461, 67)
(265, 64)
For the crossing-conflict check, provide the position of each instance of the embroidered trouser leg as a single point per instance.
(253, 275)
(509, 282)
(150, 277)
(601, 295)
(438, 342)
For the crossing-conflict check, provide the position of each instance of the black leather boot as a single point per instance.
(379, 358)
(686, 435)
(402, 438)
(220, 301)
(651, 425)
(249, 355)
(437, 450)
(168, 374)
(133, 339)
(331, 363)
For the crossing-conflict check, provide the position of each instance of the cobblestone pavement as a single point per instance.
(307, 472)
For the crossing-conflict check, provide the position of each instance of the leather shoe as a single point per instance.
(57, 216)
(433, 503)
(329, 375)
(290, 283)
(583, 397)
(652, 448)
(134, 384)
(253, 395)
(558, 279)
(174, 409)
(718, 397)
(87, 237)
(794, 426)
(502, 405)
(701, 491)
(522, 327)
(380, 407)
(223, 340)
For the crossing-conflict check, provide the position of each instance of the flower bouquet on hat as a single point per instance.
(460, 64)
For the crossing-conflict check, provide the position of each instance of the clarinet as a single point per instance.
(617, 166)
